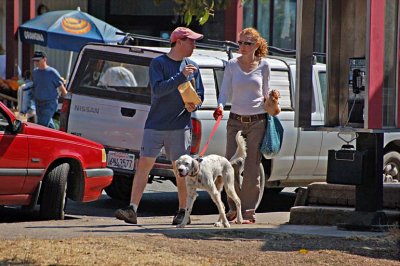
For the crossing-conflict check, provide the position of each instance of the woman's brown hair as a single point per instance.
(262, 50)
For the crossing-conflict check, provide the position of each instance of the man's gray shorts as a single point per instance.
(176, 143)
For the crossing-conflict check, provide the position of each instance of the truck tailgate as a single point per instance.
(114, 124)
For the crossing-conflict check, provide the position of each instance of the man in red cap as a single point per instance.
(168, 124)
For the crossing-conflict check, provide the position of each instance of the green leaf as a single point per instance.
(187, 18)
(204, 18)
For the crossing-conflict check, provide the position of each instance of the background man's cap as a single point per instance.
(39, 55)
(182, 32)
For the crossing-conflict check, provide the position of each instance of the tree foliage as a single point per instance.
(201, 10)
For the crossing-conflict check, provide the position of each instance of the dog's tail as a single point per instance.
(240, 154)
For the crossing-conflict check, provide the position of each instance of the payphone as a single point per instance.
(357, 81)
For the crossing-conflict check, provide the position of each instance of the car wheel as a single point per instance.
(120, 188)
(391, 167)
(53, 195)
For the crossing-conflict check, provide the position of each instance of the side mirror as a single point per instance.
(17, 125)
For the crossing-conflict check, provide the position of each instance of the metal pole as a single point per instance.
(69, 64)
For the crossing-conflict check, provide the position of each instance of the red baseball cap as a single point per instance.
(182, 32)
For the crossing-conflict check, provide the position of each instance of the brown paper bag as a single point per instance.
(188, 93)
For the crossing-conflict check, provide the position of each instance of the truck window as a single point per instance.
(323, 86)
(280, 80)
(112, 75)
(219, 76)
(210, 91)
(112, 79)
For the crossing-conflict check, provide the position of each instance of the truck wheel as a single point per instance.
(53, 195)
(391, 167)
(120, 188)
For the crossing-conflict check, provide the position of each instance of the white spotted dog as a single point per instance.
(212, 173)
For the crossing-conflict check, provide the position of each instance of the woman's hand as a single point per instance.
(271, 103)
(218, 112)
(274, 95)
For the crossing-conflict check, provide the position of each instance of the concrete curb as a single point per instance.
(321, 193)
(329, 215)
(332, 204)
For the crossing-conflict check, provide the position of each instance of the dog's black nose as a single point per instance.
(180, 170)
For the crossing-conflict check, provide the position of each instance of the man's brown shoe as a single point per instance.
(127, 214)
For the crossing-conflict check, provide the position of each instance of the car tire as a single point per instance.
(53, 196)
(120, 188)
(392, 159)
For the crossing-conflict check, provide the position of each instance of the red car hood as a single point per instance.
(38, 130)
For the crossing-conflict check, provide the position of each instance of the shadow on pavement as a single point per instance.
(152, 204)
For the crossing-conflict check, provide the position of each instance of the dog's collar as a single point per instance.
(195, 174)
(198, 171)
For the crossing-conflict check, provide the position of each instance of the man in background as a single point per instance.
(46, 82)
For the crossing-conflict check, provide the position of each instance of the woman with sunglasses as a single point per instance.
(246, 84)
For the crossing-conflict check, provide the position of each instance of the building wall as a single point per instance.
(275, 19)
(147, 18)
(2, 22)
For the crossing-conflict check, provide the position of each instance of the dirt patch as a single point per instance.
(214, 248)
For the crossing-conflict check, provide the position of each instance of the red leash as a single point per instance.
(211, 135)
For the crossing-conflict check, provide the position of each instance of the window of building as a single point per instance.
(276, 21)
(284, 24)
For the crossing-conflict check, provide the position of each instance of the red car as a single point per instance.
(39, 165)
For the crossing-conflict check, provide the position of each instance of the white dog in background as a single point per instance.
(212, 173)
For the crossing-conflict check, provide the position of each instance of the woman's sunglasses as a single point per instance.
(246, 43)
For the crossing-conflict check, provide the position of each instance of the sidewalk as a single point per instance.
(273, 222)
(80, 226)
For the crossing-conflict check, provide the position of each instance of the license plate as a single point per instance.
(121, 160)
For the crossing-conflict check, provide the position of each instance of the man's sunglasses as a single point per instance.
(246, 43)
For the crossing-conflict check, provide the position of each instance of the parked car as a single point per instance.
(115, 116)
(39, 165)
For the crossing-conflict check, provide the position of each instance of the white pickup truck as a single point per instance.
(114, 115)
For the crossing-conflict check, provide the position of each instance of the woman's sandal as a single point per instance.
(231, 215)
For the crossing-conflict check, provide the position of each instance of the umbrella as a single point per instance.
(67, 30)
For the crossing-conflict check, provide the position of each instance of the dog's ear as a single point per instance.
(195, 167)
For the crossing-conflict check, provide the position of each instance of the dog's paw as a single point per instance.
(181, 226)
(238, 221)
(224, 224)
(218, 224)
